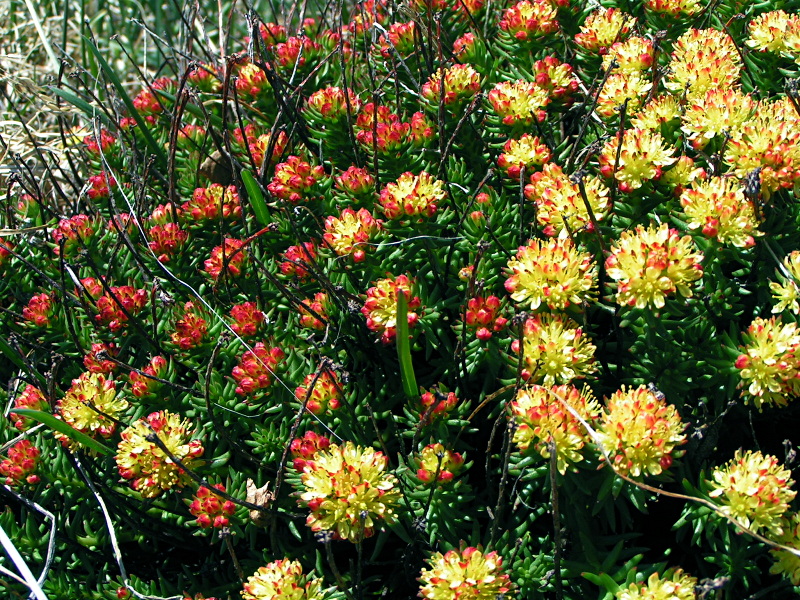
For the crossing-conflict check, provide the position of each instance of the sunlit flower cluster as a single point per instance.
(770, 362)
(604, 27)
(72, 234)
(555, 350)
(19, 467)
(769, 31)
(333, 103)
(754, 489)
(143, 384)
(557, 78)
(466, 573)
(436, 404)
(412, 195)
(703, 59)
(40, 310)
(212, 204)
(210, 509)
(92, 406)
(542, 421)
(551, 272)
(297, 260)
(149, 468)
(527, 152)
(380, 309)
(295, 180)
(674, 585)
(622, 88)
(256, 368)
(319, 317)
(436, 463)
(519, 102)
(461, 83)
(304, 448)
(650, 264)
(718, 207)
(31, 398)
(786, 293)
(167, 241)
(348, 491)
(320, 393)
(229, 259)
(248, 319)
(94, 361)
(717, 112)
(560, 208)
(190, 328)
(639, 157)
(528, 20)
(640, 432)
(483, 316)
(282, 580)
(351, 232)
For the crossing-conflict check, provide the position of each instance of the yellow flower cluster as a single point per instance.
(282, 580)
(786, 292)
(754, 489)
(91, 406)
(640, 156)
(675, 585)
(541, 419)
(651, 263)
(703, 59)
(466, 573)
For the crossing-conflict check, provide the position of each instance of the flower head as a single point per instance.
(553, 272)
(351, 232)
(348, 490)
(330, 104)
(560, 208)
(439, 464)
(356, 182)
(116, 306)
(768, 31)
(282, 580)
(295, 180)
(604, 27)
(519, 102)
(412, 195)
(320, 392)
(73, 234)
(634, 55)
(674, 585)
(787, 292)
(483, 315)
(230, 258)
(190, 329)
(719, 208)
(528, 20)
(149, 468)
(40, 310)
(251, 80)
(526, 152)
(435, 404)
(210, 509)
(247, 319)
(642, 156)
(304, 448)
(142, 384)
(212, 204)
(541, 419)
(770, 362)
(555, 350)
(20, 465)
(466, 573)
(380, 309)
(754, 489)
(31, 398)
(256, 368)
(718, 111)
(622, 88)
(298, 259)
(166, 241)
(95, 364)
(640, 432)
(316, 319)
(461, 83)
(91, 406)
(651, 263)
(703, 59)
(557, 78)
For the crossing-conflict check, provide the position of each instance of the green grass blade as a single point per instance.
(256, 198)
(62, 427)
(81, 104)
(126, 99)
(404, 348)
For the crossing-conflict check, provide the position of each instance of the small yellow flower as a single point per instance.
(351, 232)
(542, 419)
(621, 87)
(519, 102)
(786, 292)
(786, 563)
(412, 195)
(555, 350)
(770, 365)
(528, 152)
(348, 490)
(657, 112)
(282, 580)
(755, 490)
(461, 83)
(147, 465)
(703, 59)
(768, 31)
(466, 573)
(640, 432)
(604, 27)
(715, 113)
(651, 263)
(717, 206)
(641, 158)
(634, 55)
(560, 208)
(675, 585)
(553, 272)
(91, 406)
